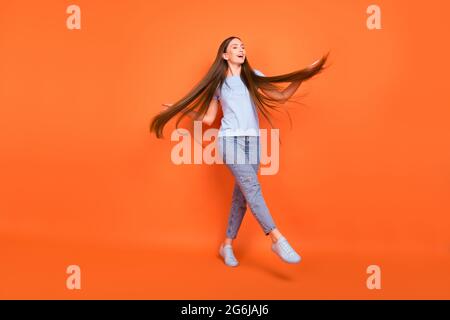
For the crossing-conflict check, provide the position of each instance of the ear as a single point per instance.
(225, 56)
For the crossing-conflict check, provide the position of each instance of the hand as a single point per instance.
(313, 65)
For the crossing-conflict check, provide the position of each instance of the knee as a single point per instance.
(239, 200)
(238, 196)
(250, 184)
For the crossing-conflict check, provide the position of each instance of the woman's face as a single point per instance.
(235, 52)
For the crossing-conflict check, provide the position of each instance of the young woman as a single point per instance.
(232, 82)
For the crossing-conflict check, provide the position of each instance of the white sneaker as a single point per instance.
(284, 250)
(226, 252)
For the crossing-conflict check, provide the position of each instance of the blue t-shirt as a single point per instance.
(240, 117)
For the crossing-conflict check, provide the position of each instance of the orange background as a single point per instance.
(364, 173)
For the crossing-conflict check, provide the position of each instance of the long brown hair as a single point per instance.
(200, 96)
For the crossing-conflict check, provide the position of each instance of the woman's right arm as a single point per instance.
(210, 115)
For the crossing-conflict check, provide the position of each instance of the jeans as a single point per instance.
(241, 154)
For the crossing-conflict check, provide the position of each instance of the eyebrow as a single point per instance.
(235, 44)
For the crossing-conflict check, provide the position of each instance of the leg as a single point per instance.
(237, 212)
(241, 155)
(250, 187)
(238, 202)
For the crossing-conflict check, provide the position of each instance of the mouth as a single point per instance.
(240, 56)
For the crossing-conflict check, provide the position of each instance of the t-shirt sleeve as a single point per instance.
(259, 73)
(217, 94)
